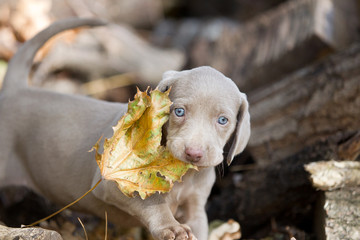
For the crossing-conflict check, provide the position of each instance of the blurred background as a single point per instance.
(298, 61)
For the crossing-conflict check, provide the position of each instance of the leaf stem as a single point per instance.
(66, 207)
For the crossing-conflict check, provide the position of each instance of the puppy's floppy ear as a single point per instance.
(167, 80)
(242, 131)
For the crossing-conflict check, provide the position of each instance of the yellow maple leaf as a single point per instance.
(133, 157)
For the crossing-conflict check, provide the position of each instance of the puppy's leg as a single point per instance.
(194, 207)
(153, 212)
(196, 216)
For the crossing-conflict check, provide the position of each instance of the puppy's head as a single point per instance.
(208, 110)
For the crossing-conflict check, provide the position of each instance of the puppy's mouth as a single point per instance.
(194, 157)
(197, 163)
(197, 155)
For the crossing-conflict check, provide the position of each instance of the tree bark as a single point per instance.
(342, 218)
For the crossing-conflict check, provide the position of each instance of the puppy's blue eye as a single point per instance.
(222, 120)
(180, 112)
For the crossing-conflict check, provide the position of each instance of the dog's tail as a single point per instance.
(20, 65)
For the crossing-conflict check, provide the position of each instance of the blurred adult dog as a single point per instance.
(45, 138)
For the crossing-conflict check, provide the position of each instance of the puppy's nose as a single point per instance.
(193, 154)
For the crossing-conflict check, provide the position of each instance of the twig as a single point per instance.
(86, 237)
(106, 225)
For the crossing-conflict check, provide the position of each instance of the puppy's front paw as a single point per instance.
(178, 232)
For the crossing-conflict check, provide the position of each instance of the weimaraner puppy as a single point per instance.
(45, 138)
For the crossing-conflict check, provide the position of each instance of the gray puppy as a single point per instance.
(45, 138)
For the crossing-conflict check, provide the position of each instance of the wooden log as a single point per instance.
(330, 175)
(277, 42)
(305, 107)
(340, 208)
(280, 190)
